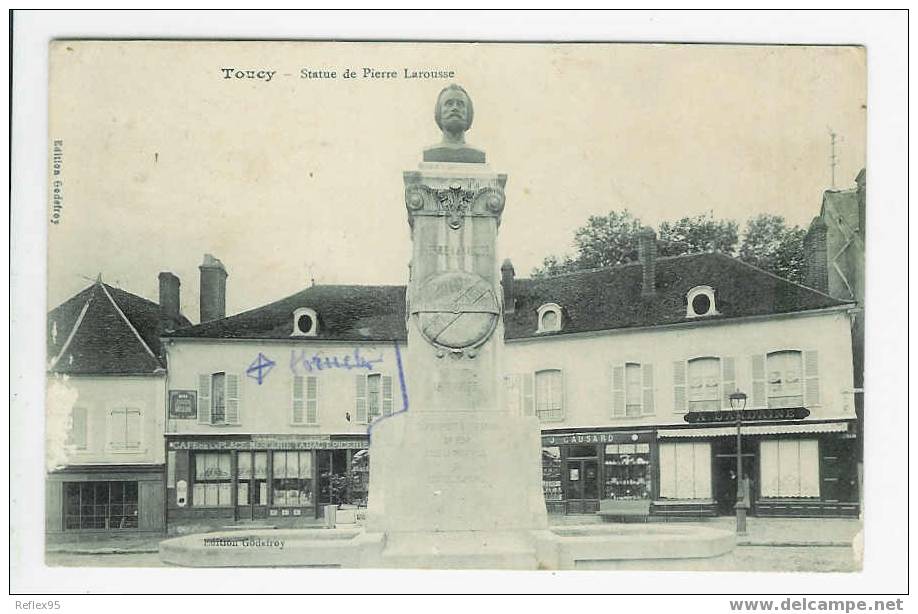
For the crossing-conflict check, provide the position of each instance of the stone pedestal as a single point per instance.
(455, 481)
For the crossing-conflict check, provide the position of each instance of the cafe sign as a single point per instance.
(729, 416)
(258, 442)
(183, 404)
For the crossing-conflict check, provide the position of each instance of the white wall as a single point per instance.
(99, 395)
(266, 408)
(586, 362)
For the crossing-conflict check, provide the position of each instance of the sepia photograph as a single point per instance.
(521, 306)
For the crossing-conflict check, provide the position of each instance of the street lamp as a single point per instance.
(738, 404)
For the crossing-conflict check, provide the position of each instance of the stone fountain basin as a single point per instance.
(623, 546)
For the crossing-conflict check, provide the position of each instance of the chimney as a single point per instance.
(506, 281)
(816, 257)
(647, 253)
(169, 298)
(213, 289)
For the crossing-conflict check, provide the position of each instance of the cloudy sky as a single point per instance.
(295, 179)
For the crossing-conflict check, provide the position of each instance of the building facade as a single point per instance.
(270, 412)
(106, 391)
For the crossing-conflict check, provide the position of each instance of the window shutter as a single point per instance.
(204, 399)
(387, 395)
(759, 398)
(298, 404)
(78, 428)
(512, 394)
(811, 374)
(618, 391)
(679, 404)
(232, 398)
(312, 399)
(728, 378)
(361, 409)
(647, 380)
(528, 400)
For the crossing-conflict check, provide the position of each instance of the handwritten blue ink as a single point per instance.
(299, 359)
(260, 368)
(401, 382)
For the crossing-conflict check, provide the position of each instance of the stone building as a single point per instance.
(270, 411)
(106, 391)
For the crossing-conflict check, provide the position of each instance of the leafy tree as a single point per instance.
(770, 244)
(697, 234)
(603, 241)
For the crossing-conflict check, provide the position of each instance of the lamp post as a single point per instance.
(738, 404)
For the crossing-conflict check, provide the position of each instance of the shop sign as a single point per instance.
(747, 415)
(606, 437)
(183, 404)
(269, 443)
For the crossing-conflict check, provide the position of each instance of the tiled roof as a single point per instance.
(346, 313)
(601, 299)
(106, 330)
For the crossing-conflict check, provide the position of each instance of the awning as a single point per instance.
(757, 429)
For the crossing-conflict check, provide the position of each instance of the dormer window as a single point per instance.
(700, 302)
(305, 322)
(549, 318)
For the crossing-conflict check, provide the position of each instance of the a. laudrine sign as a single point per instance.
(747, 415)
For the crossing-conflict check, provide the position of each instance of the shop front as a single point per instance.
(585, 472)
(113, 499)
(283, 480)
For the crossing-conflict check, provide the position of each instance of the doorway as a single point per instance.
(331, 466)
(582, 480)
(725, 481)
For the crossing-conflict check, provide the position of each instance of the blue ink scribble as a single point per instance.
(260, 368)
(299, 359)
(401, 381)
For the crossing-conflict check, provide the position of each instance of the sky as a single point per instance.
(293, 180)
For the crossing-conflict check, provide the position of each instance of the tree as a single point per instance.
(698, 234)
(770, 244)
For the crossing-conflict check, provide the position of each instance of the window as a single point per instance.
(292, 479)
(305, 322)
(77, 438)
(549, 318)
(252, 486)
(125, 429)
(212, 479)
(704, 384)
(785, 379)
(100, 505)
(549, 395)
(789, 468)
(627, 471)
(305, 399)
(632, 390)
(374, 396)
(700, 302)
(218, 398)
(685, 470)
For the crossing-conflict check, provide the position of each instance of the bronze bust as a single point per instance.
(453, 113)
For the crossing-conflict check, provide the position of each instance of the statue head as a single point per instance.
(454, 112)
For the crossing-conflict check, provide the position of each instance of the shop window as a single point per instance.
(100, 505)
(627, 471)
(218, 398)
(685, 470)
(125, 429)
(305, 322)
(549, 318)
(360, 477)
(704, 384)
(252, 484)
(789, 468)
(549, 395)
(551, 477)
(292, 479)
(700, 302)
(374, 396)
(78, 436)
(212, 479)
(785, 379)
(305, 399)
